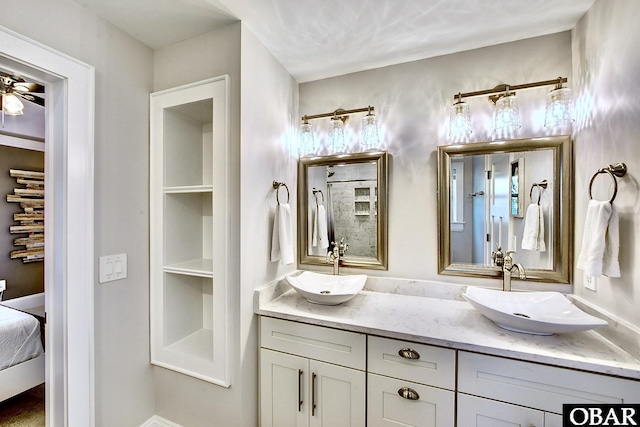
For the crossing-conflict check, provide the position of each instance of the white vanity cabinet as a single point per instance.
(409, 384)
(315, 376)
(311, 376)
(189, 218)
(530, 394)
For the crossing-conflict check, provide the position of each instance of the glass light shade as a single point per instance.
(559, 110)
(337, 143)
(459, 120)
(307, 142)
(506, 117)
(11, 105)
(370, 137)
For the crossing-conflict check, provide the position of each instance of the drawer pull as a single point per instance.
(409, 353)
(408, 393)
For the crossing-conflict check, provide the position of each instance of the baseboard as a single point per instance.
(157, 421)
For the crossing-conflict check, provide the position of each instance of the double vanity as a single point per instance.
(405, 352)
(358, 350)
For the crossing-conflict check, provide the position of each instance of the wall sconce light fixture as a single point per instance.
(307, 142)
(507, 114)
(337, 143)
(459, 119)
(559, 110)
(370, 137)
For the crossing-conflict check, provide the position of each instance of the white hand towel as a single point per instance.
(282, 237)
(323, 237)
(600, 240)
(314, 227)
(533, 233)
(610, 263)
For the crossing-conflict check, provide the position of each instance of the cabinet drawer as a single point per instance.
(314, 342)
(539, 386)
(478, 412)
(431, 407)
(430, 365)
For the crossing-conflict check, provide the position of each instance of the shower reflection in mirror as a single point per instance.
(352, 191)
(349, 206)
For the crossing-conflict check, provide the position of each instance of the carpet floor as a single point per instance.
(24, 410)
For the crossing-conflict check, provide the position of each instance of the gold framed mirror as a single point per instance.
(513, 194)
(346, 195)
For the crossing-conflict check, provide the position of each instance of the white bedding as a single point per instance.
(19, 337)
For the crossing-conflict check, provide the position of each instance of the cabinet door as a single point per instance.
(428, 407)
(478, 412)
(283, 390)
(552, 420)
(337, 396)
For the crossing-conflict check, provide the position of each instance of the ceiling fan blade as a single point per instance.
(28, 87)
(32, 98)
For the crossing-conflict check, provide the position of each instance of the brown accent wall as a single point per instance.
(22, 279)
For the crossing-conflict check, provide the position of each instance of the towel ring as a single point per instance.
(541, 186)
(315, 194)
(619, 170)
(276, 186)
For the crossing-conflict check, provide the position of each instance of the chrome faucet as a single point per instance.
(505, 262)
(337, 253)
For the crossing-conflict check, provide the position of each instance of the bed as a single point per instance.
(21, 352)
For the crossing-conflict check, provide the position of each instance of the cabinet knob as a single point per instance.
(408, 393)
(409, 353)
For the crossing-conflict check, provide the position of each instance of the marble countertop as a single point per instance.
(446, 322)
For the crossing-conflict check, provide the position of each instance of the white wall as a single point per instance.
(264, 99)
(606, 60)
(124, 67)
(412, 101)
(180, 398)
(269, 121)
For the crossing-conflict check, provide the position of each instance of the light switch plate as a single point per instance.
(113, 267)
(590, 283)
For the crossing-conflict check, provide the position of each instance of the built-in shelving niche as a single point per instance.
(189, 289)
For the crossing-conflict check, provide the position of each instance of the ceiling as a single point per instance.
(316, 39)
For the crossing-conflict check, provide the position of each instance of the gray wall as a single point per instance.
(264, 101)
(22, 279)
(412, 101)
(606, 60)
(123, 70)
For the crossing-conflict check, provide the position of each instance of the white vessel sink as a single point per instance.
(538, 313)
(326, 289)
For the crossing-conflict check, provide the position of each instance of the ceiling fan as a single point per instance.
(13, 89)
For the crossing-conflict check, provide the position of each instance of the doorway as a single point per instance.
(69, 218)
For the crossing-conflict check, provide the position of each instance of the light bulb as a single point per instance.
(559, 111)
(337, 143)
(11, 105)
(307, 143)
(507, 114)
(370, 137)
(459, 120)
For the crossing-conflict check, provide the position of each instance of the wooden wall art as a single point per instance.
(31, 219)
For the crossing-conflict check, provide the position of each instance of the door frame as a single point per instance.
(69, 225)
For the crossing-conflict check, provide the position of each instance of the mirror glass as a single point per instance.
(508, 194)
(344, 199)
